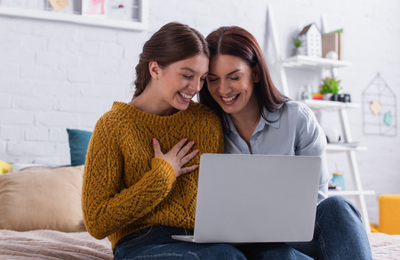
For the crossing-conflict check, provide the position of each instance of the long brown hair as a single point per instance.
(236, 41)
(173, 42)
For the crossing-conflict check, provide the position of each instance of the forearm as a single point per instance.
(108, 203)
(106, 209)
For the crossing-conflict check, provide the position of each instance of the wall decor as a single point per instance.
(93, 7)
(311, 40)
(58, 4)
(379, 108)
(375, 107)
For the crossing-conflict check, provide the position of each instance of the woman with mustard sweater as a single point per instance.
(140, 180)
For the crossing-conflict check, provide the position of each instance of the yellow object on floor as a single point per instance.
(374, 228)
(4, 167)
(389, 215)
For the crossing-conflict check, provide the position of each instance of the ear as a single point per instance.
(256, 73)
(154, 69)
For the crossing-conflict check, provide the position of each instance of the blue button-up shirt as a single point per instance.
(295, 132)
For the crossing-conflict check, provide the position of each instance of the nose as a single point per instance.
(223, 88)
(196, 85)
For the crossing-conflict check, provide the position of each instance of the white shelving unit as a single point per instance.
(348, 147)
(351, 193)
(313, 63)
(80, 19)
(327, 105)
(345, 148)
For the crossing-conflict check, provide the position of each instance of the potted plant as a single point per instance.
(329, 88)
(298, 46)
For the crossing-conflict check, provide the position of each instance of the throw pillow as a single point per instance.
(4, 167)
(42, 199)
(78, 144)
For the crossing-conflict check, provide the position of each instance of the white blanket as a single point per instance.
(385, 247)
(49, 244)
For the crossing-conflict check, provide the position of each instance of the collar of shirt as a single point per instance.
(273, 117)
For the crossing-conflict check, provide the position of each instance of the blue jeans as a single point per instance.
(339, 234)
(156, 243)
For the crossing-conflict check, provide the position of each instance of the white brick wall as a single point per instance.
(16, 117)
(37, 133)
(12, 133)
(57, 75)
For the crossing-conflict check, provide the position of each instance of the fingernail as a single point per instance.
(197, 166)
(197, 150)
(154, 141)
(185, 139)
(193, 142)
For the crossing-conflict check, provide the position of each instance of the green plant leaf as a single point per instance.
(330, 85)
(297, 42)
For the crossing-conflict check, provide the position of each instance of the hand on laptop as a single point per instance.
(177, 156)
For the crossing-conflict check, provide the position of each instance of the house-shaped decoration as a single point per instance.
(379, 109)
(311, 37)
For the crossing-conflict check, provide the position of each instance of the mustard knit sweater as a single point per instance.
(125, 188)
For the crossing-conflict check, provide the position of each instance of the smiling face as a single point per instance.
(181, 80)
(231, 84)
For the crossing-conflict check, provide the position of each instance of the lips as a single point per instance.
(185, 96)
(230, 99)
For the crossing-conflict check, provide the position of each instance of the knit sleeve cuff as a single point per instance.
(164, 169)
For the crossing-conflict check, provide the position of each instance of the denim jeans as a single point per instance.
(339, 234)
(156, 243)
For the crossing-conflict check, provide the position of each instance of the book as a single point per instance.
(333, 41)
(341, 46)
(330, 42)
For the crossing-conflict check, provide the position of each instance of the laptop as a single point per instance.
(255, 199)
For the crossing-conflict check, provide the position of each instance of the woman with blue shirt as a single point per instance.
(258, 119)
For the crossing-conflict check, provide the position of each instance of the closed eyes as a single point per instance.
(191, 76)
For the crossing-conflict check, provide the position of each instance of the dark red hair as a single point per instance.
(236, 41)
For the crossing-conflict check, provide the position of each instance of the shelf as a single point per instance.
(344, 148)
(350, 192)
(313, 63)
(325, 104)
(79, 19)
(325, 66)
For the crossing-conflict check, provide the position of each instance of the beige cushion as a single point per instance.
(42, 199)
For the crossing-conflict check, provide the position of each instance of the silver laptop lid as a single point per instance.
(256, 198)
